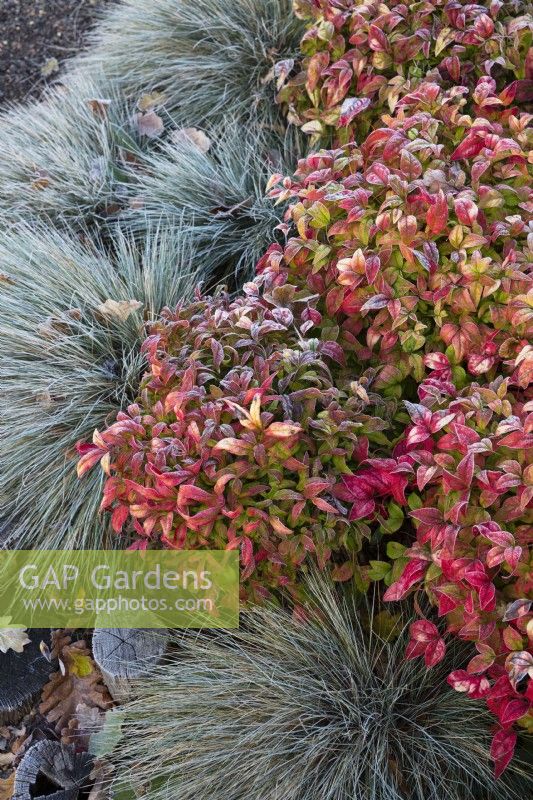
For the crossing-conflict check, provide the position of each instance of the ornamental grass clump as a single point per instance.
(360, 58)
(214, 185)
(83, 159)
(321, 710)
(63, 157)
(72, 326)
(212, 61)
(243, 425)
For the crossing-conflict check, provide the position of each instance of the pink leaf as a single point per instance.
(377, 40)
(351, 107)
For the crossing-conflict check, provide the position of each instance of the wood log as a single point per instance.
(53, 771)
(124, 655)
(22, 677)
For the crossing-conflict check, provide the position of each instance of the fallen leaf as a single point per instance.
(149, 124)
(118, 309)
(12, 637)
(49, 67)
(45, 650)
(4, 278)
(41, 180)
(76, 691)
(148, 102)
(99, 106)
(7, 787)
(197, 137)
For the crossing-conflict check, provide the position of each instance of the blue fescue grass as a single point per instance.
(67, 366)
(318, 711)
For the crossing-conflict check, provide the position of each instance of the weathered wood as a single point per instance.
(22, 677)
(53, 771)
(124, 655)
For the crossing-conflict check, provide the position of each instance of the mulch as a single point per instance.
(35, 37)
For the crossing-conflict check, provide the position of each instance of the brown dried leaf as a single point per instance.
(41, 180)
(81, 687)
(99, 106)
(6, 759)
(118, 309)
(5, 278)
(149, 124)
(192, 135)
(7, 787)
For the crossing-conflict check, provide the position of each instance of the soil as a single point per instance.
(35, 37)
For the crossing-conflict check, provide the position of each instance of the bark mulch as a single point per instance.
(35, 37)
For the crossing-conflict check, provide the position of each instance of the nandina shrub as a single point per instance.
(240, 435)
(472, 504)
(359, 58)
(418, 240)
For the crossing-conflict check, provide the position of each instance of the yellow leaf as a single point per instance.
(147, 102)
(282, 430)
(80, 665)
(49, 67)
(443, 40)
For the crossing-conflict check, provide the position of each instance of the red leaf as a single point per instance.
(350, 108)
(502, 750)
(333, 350)
(437, 214)
(469, 147)
(466, 210)
(88, 460)
(413, 572)
(513, 710)
(476, 686)
(119, 517)
(426, 641)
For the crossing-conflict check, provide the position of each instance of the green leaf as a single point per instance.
(395, 520)
(320, 216)
(434, 571)
(414, 501)
(378, 570)
(321, 256)
(395, 550)
(361, 578)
